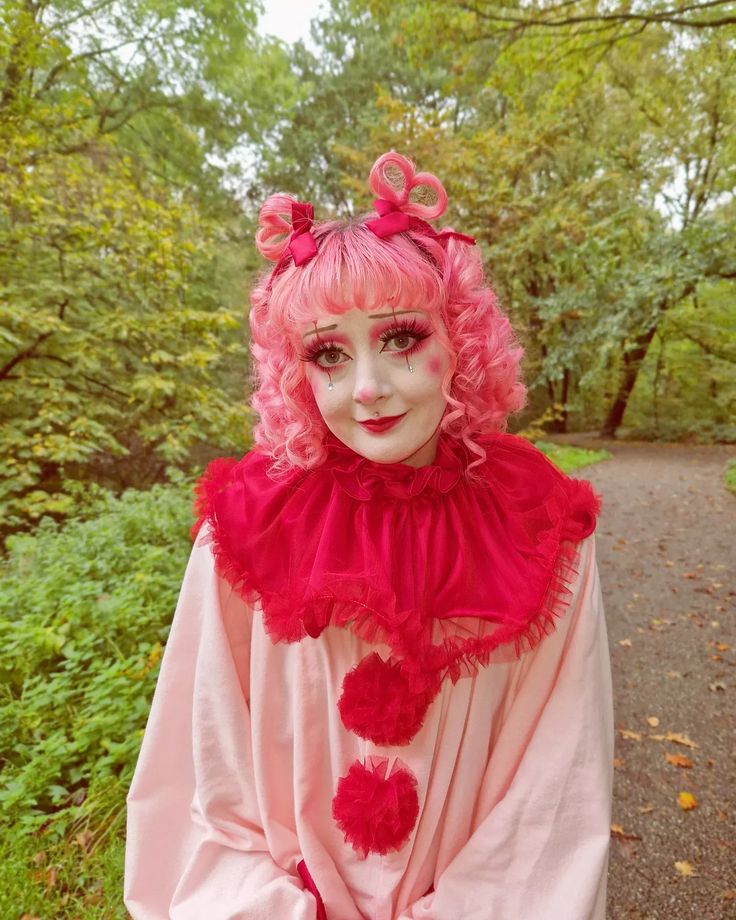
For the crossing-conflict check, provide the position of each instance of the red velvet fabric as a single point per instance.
(450, 573)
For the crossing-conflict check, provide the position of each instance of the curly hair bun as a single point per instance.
(394, 178)
(275, 227)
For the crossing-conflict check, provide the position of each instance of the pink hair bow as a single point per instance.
(393, 220)
(301, 242)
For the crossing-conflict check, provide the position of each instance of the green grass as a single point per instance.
(729, 477)
(51, 882)
(571, 458)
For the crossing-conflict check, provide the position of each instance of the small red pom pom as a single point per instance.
(376, 813)
(376, 702)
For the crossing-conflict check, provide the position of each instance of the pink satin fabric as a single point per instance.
(244, 747)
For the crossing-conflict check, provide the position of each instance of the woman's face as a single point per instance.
(384, 368)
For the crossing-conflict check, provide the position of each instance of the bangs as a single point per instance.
(356, 269)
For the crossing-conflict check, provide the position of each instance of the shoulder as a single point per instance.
(229, 482)
(529, 481)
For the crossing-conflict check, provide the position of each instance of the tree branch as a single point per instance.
(672, 16)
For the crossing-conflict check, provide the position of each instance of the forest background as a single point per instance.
(588, 146)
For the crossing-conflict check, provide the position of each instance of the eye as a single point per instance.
(402, 341)
(405, 337)
(329, 357)
(325, 355)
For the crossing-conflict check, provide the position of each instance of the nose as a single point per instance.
(371, 382)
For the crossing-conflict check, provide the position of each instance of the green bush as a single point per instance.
(84, 615)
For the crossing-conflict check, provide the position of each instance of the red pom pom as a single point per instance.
(377, 704)
(376, 813)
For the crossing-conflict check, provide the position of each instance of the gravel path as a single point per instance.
(667, 546)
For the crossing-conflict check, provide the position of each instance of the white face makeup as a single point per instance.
(377, 380)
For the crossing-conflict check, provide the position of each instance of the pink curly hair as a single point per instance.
(411, 270)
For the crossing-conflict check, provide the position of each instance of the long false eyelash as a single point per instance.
(322, 345)
(402, 327)
(406, 327)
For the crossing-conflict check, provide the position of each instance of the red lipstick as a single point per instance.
(379, 425)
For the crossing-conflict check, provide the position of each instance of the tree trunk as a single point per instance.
(633, 360)
(559, 424)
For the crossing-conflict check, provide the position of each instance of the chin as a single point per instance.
(386, 454)
(387, 449)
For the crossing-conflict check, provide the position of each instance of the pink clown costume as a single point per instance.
(385, 694)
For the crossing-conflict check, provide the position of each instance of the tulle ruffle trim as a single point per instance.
(424, 650)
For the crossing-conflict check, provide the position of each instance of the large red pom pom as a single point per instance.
(376, 813)
(377, 704)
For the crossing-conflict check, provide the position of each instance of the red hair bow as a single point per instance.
(301, 242)
(393, 220)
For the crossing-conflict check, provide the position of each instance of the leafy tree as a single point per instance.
(120, 269)
(328, 132)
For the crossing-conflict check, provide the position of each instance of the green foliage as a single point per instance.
(40, 879)
(729, 477)
(121, 278)
(84, 616)
(687, 386)
(570, 458)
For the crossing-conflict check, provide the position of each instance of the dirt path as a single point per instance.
(667, 546)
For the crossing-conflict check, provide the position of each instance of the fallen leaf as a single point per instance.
(716, 686)
(729, 895)
(645, 809)
(618, 762)
(653, 721)
(632, 736)
(85, 839)
(676, 737)
(686, 801)
(674, 675)
(619, 833)
(685, 869)
(722, 646)
(679, 760)
(625, 642)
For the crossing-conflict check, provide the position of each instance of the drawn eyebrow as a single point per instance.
(372, 316)
(323, 329)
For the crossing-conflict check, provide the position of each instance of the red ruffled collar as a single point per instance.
(451, 573)
(364, 479)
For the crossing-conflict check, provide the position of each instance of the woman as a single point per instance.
(386, 691)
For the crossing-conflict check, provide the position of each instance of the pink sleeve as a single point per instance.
(540, 846)
(195, 844)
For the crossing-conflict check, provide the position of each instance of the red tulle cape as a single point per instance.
(450, 572)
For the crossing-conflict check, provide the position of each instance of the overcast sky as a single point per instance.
(288, 19)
